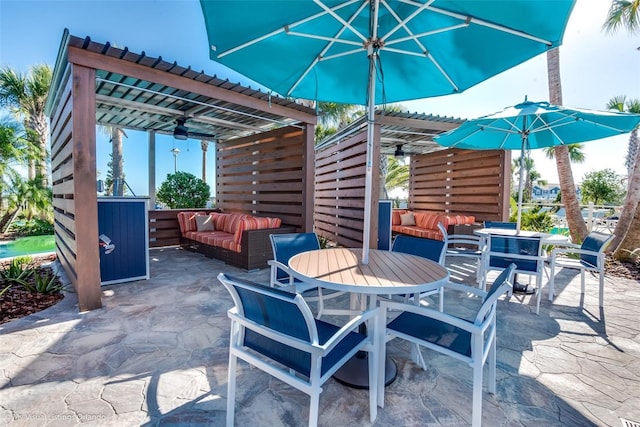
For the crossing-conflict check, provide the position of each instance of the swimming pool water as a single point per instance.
(28, 246)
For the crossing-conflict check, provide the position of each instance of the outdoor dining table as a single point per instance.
(386, 273)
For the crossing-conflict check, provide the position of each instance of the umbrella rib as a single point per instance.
(488, 24)
(402, 23)
(335, 16)
(284, 28)
(426, 33)
(324, 50)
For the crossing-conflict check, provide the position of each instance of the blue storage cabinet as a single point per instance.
(123, 228)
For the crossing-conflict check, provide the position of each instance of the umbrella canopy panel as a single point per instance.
(320, 49)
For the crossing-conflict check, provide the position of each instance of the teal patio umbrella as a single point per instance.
(372, 52)
(532, 125)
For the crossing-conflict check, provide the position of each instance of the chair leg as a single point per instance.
(373, 384)
(602, 287)
(231, 389)
(491, 386)
(314, 407)
(552, 274)
(539, 291)
(476, 414)
(582, 279)
(381, 328)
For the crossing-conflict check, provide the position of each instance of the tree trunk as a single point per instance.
(577, 227)
(42, 129)
(630, 204)
(117, 161)
(631, 241)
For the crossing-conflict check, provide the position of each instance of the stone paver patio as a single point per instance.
(156, 355)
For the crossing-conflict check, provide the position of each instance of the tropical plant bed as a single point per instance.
(17, 302)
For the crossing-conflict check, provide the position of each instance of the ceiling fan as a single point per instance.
(182, 132)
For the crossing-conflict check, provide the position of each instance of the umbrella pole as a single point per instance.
(521, 184)
(368, 180)
(371, 105)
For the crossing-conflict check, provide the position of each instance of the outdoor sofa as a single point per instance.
(237, 239)
(425, 224)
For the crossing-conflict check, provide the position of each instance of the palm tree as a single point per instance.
(576, 155)
(32, 197)
(397, 175)
(12, 154)
(577, 227)
(25, 95)
(622, 229)
(531, 177)
(623, 14)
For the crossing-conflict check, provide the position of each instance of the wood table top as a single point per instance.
(386, 273)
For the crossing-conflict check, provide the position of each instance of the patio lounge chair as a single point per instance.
(591, 258)
(275, 331)
(284, 247)
(471, 341)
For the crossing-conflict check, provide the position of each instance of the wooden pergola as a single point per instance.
(265, 154)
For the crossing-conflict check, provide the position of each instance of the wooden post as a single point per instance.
(84, 188)
(309, 178)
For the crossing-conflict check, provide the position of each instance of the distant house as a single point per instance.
(545, 192)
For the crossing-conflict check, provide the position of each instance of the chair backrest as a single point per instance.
(524, 252)
(596, 242)
(285, 313)
(427, 248)
(499, 287)
(500, 224)
(287, 245)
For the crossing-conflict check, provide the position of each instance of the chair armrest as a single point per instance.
(465, 288)
(574, 251)
(438, 315)
(349, 327)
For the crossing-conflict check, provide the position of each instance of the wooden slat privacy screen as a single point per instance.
(463, 182)
(339, 191)
(73, 172)
(263, 175)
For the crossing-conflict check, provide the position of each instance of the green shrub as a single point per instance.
(32, 227)
(44, 282)
(18, 270)
(184, 190)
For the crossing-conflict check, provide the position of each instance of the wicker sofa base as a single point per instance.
(255, 244)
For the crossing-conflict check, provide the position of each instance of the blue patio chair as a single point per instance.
(275, 331)
(471, 341)
(501, 224)
(590, 258)
(524, 252)
(426, 248)
(286, 246)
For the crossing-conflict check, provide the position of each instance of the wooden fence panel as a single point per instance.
(462, 182)
(264, 175)
(340, 191)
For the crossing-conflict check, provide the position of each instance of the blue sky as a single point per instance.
(594, 68)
